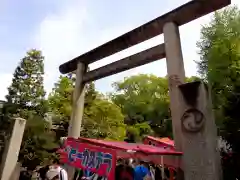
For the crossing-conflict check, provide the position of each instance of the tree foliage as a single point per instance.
(60, 98)
(102, 118)
(220, 66)
(27, 88)
(143, 99)
(219, 54)
(26, 100)
(38, 142)
(60, 104)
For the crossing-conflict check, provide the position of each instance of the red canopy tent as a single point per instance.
(144, 152)
(82, 152)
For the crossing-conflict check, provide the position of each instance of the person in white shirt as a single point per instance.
(56, 172)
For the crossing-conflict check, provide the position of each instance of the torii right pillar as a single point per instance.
(193, 123)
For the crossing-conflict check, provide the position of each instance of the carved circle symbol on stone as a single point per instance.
(192, 120)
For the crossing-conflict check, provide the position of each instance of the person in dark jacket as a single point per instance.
(124, 172)
(25, 175)
(43, 171)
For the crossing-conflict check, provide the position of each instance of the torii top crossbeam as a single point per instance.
(182, 15)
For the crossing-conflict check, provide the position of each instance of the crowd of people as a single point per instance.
(139, 170)
(55, 171)
(129, 170)
(125, 170)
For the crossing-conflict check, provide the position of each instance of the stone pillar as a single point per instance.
(75, 123)
(201, 159)
(77, 103)
(11, 150)
(16, 172)
(176, 76)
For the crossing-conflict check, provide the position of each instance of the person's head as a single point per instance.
(142, 163)
(55, 161)
(126, 162)
(134, 163)
(120, 161)
(151, 164)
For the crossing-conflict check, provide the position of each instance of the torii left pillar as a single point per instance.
(176, 76)
(75, 123)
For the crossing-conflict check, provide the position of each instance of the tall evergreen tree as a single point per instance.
(27, 88)
(26, 100)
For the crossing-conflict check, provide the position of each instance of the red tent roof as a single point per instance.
(164, 140)
(148, 153)
(143, 148)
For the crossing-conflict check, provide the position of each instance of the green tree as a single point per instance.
(192, 78)
(143, 99)
(134, 133)
(219, 65)
(38, 143)
(26, 99)
(102, 118)
(90, 95)
(219, 57)
(219, 54)
(60, 98)
(27, 88)
(60, 104)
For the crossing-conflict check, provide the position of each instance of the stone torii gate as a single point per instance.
(190, 103)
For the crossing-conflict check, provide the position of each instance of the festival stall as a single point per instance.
(164, 142)
(99, 156)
